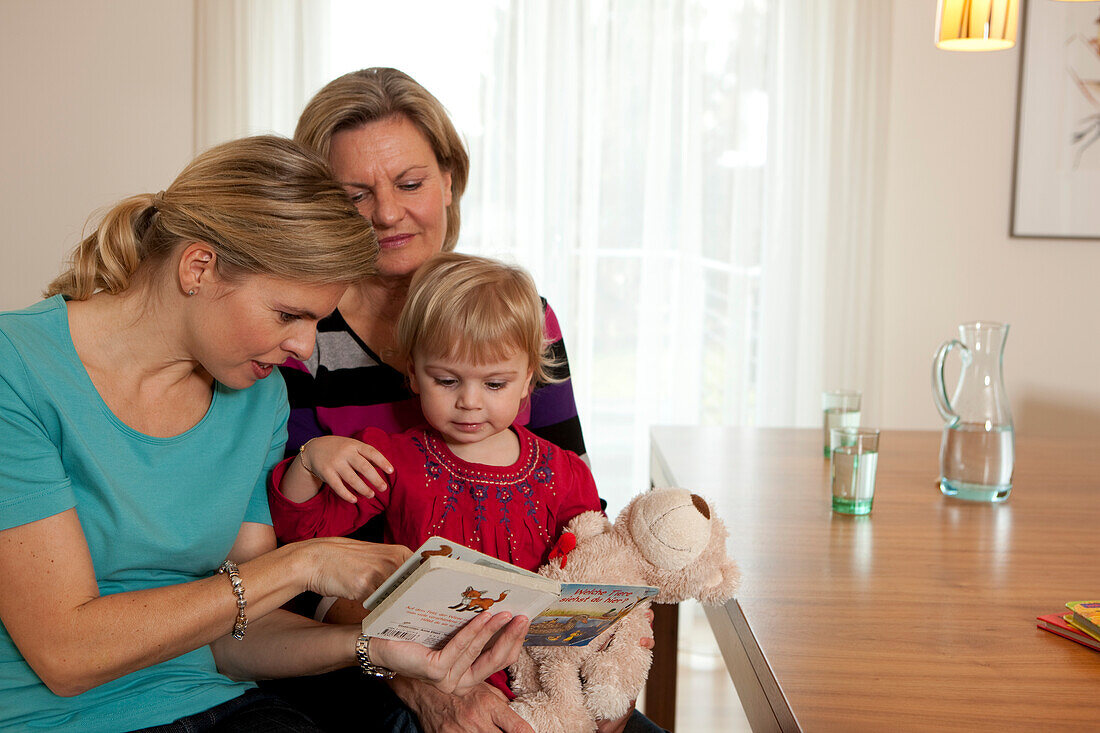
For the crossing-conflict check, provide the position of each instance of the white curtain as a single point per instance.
(694, 184)
(257, 63)
(822, 217)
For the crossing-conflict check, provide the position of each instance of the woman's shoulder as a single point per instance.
(44, 318)
(37, 335)
(53, 303)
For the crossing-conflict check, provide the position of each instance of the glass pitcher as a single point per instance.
(978, 451)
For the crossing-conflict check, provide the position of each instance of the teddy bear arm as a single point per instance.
(524, 675)
(558, 705)
(614, 676)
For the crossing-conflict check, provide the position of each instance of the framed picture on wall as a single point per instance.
(1057, 186)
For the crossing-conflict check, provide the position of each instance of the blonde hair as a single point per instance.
(265, 205)
(368, 95)
(477, 310)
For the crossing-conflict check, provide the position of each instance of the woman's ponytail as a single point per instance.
(264, 204)
(107, 259)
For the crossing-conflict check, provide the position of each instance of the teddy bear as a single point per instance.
(667, 538)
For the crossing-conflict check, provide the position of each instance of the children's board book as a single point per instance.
(1086, 617)
(443, 585)
(1058, 623)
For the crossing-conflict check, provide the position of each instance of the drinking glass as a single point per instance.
(841, 410)
(852, 470)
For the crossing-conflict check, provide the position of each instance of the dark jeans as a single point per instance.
(255, 711)
(639, 723)
(405, 722)
(342, 700)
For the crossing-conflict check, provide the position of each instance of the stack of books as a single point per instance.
(1081, 624)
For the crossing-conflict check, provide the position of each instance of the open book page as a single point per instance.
(583, 612)
(443, 593)
(443, 584)
(432, 547)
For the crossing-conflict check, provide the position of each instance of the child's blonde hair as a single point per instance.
(474, 309)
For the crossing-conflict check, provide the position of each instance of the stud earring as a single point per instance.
(190, 292)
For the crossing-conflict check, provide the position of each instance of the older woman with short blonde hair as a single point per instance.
(393, 147)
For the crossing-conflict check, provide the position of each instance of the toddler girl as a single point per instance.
(471, 333)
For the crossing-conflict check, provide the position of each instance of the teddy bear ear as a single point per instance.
(588, 524)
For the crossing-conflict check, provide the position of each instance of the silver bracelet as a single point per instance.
(241, 624)
(362, 653)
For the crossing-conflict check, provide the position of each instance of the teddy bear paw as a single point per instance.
(605, 701)
(545, 716)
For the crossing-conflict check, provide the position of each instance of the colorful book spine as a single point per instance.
(1086, 616)
(1060, 624)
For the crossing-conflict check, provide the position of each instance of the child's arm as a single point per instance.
(345, 464)
(300, 510)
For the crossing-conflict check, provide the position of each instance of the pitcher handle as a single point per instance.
(939, 389)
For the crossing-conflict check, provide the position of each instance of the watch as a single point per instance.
(362, 653)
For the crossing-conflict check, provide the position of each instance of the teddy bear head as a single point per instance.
(682, 545)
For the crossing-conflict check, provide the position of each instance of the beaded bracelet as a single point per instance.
(241, 624)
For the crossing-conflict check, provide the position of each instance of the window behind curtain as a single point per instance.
(695, 184)
(616, 152)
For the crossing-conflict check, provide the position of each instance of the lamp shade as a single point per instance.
(976, 25)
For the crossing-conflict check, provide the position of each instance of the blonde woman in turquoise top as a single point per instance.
(140, 412)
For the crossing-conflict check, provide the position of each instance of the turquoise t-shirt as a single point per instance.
(155, 511)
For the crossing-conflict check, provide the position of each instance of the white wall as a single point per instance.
(98, 105)
(947, 254)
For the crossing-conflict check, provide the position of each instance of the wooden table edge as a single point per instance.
(761, 697)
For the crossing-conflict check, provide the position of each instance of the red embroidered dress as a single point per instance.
(512, 512)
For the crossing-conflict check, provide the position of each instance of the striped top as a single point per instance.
(345, 387)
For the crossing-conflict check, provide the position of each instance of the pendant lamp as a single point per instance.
(976, 25)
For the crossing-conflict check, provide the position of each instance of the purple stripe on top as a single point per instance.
(392, 417)
(301, 426)
(552, 403)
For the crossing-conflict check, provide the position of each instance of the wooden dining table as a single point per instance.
(917, 617)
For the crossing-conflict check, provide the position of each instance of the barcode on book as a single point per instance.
(398, 633)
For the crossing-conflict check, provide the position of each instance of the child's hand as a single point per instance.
(344, 463)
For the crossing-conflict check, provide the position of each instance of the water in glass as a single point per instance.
(853, 479)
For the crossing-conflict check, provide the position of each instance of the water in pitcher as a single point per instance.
(977, 462)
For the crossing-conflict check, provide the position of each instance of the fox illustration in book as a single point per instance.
(472, 601)
(443, 551)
